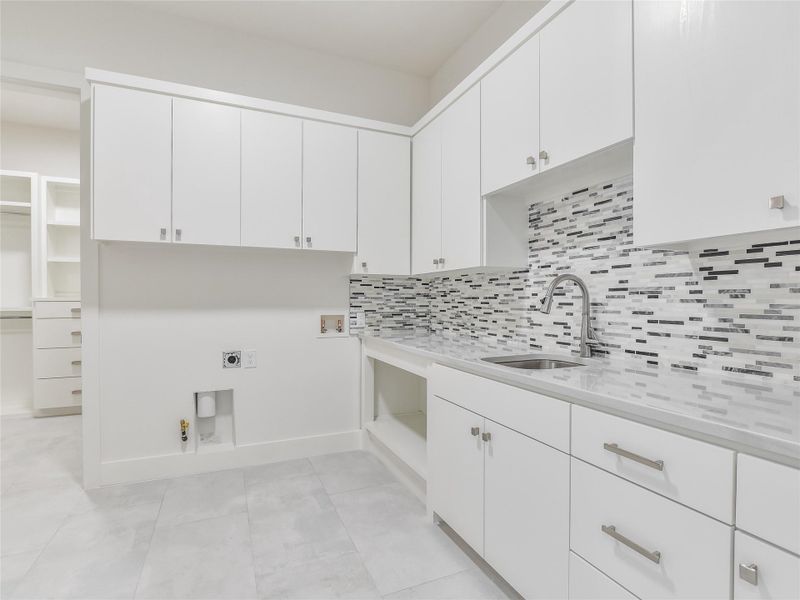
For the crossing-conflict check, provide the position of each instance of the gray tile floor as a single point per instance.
(335, 526)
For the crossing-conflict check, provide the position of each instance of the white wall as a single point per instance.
(121, 37)
(54, 152)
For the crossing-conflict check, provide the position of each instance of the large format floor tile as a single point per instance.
(347, 471)
(203, 496)
(13, 568)
(471, 584)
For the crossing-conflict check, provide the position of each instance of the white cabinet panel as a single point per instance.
(56, 362)
(57, 333)
(330, 187)
(694, 473)
(131, 165)
(695, 550)
(384, 204)
(526, 531)
(206, 173)
(768, 501)
(461, 182)
(587, 583)
(510, 119)
(586, 80)
(455, 469)
(762, 571)
(272, 180)
(717, 118)
(63, 392)
(426, 198)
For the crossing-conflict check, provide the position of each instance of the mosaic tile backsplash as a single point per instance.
(734, 309)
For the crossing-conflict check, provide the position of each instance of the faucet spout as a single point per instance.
(588, 337)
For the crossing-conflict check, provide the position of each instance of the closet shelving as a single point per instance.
(60, 271)
(18, 192)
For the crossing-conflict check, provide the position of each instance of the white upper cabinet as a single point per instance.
(271, 180)
(384, 203)
(426, 198)
(510, 119)
(205, 173)
(461, 182)
(717, 118)
(330, 186)
(131, 167)
(586, 80)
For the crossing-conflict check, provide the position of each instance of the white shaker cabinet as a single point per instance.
(762, 571)
(384, 196)
(510, 119)
(131, 165)
(717, 118)
(330, 186)
(461, 182)
(586, 83)
(205, 173)
(272, 180)
(426, 199)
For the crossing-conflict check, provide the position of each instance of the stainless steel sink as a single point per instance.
(534, 361)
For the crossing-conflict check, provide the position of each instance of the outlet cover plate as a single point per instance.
(249, 359)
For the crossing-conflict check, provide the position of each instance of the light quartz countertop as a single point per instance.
(739, 412)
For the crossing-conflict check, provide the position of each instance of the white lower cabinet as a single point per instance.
(587, 583)
(526, 514)
(763, 571)
(56, 355)
(653, 546)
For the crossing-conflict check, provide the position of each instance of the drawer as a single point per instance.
(694, 473)
(57, 310)
(610, 516)
(535, 415)
(57, 393)
(57, 333)
(763, 571)
(57, 362)
(768, 501)
(588, 583)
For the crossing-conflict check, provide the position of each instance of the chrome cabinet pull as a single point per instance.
(486, 436)
(76, 392)
(543, 155)
(435, 261)
(749, 573)
(441, 261)
(75, 309)
(308, 240)
(74, 332)
(163, 233)
(475, 430)
(611, 530)
(658, 465)
(297, 240)
(76, 363)
(364, 265)
(777, 202)
(178, 233)
(531, 161)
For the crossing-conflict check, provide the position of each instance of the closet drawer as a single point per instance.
(539, 417)
(57, 393)
(57, 362)
(652, 546)
(763, 571)
(588, 583)
(767, 501)
(58, 310)
(57, 333)
(693, 473)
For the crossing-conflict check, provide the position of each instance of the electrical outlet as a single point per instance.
(357, 319)
(249, 359)
(232, 359)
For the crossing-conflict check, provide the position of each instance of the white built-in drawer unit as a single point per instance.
(587, 583)
(61, 392)
(58, 310)
(57, 333)
(694, 473)
(768, 501)
(762, 571)
(540, 417)
(57, 362)
(652, 546)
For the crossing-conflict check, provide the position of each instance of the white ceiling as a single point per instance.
(413, 36)
(40, 106)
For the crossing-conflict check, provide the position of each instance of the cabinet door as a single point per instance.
(131, 165)
(510, 119)
(461, 182)
(426, 198)
(272, 180)
(717, 119)
(384, 203)
(455, 469)
(206, 173)
(527, 513)
(330, 163)
(762, 571)
(586, 80)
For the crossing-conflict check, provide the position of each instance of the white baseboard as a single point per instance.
(190, 462)
(405, 474)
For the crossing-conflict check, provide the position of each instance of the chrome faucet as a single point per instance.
(588, 336)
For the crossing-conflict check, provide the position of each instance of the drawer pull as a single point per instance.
(611, 530)
(75, 363)
(75, 309)
(749, 573)
(74, 332)
(76, 392)
(658, 465)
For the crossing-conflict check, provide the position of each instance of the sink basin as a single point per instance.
(534, 361)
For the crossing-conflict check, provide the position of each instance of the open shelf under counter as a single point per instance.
(406, 436)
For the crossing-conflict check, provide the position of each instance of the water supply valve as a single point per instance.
(184, 430)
